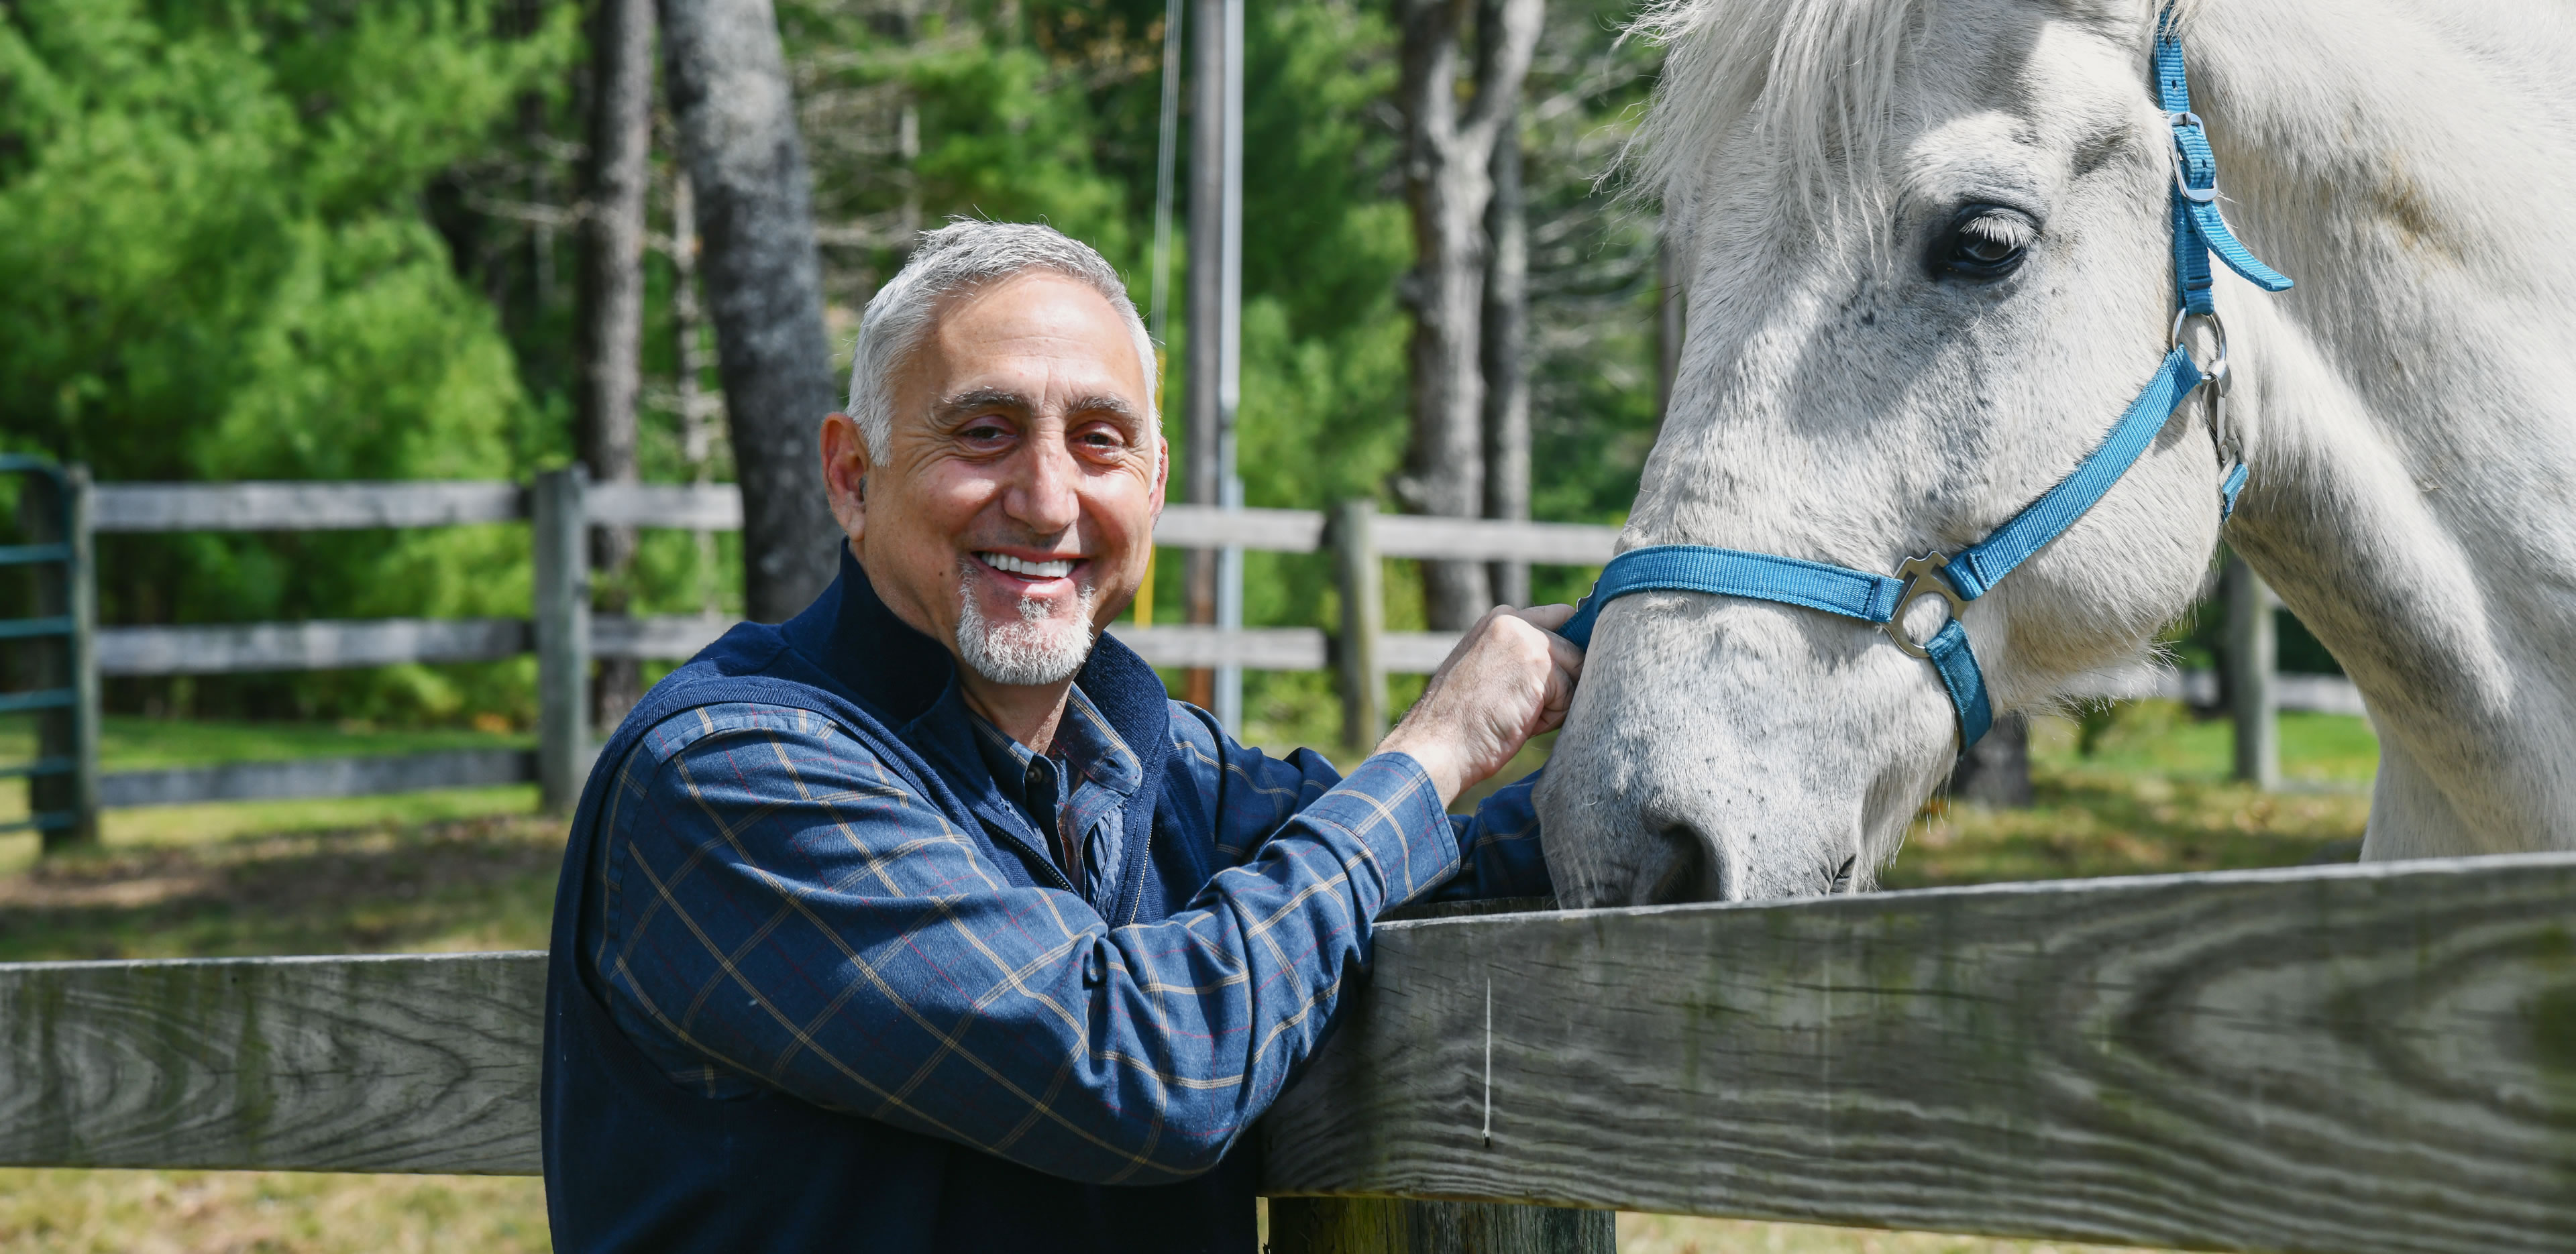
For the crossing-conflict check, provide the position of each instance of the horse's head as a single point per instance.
(1931, 263)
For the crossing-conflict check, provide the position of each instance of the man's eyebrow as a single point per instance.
(1105, 403)
(984, 398)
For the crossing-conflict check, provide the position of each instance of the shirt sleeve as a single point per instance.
(1499, 848)
(1250, 795)
(780, 908)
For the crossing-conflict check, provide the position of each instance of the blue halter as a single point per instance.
(2198, 231)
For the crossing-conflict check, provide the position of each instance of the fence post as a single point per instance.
(2252, 653)
(1386, 1225)
(56, 510)
(1361, 663)
(563, 637)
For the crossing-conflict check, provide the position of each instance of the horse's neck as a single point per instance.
(2413, 165)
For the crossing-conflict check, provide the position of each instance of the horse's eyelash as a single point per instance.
(2011, 232)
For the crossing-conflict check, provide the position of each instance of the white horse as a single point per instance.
(1931, 265)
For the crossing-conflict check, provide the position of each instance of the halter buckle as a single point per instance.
(2196, 195)
(1923, 578)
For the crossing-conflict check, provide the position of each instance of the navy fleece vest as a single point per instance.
(635, 1162)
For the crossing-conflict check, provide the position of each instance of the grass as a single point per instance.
(475, 870)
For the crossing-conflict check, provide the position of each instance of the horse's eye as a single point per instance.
(1984, 242)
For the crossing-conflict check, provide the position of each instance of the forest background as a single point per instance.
(324, 239)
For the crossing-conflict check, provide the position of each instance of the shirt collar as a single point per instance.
(1084, 740)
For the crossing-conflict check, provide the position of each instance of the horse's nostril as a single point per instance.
(1685, 876)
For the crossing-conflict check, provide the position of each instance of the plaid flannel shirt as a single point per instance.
(780, 911)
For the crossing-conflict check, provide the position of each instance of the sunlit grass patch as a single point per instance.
(483, 883)
(1673, 1234)
(55, 1211)
(2153, 796)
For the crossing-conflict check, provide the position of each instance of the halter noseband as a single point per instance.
(2198, 231)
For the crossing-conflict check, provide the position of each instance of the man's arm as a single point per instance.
(779, 909)
(1248, 795)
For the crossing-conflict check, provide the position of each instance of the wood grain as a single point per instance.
(687, 506)
(2346, 1059)
(312, 1064)
(1385, 1225)
(1258, 648)
(289, 506)
(371, 776)
(306, 646)
(1495, 540)
(662, 637)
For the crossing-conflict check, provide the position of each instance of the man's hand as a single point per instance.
(1511, 678)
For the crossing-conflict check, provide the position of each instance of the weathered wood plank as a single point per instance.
(306, 646)
(665, 637)
(308, 1064)
(686, 506)
(1209, 527)
(317, 777)
(1385, 1225)
(1494, 540)
(2347, 1059)
(1255, 648)
(1416, 652)
(290, 506)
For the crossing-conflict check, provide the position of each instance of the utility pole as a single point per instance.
(1215, 584)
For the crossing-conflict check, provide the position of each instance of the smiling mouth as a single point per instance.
(1025, 568)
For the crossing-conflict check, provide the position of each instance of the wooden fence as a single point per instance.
(2355, 1059)
(565, 635)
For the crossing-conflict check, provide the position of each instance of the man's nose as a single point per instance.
(1042, 497)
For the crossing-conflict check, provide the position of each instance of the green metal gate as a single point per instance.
(62, 779)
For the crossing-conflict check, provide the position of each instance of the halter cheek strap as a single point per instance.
(2199, 231)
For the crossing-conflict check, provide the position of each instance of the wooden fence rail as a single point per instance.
(565, 635)
(2358, 1060)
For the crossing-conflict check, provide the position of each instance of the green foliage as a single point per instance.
(220, 269)
(310, 239)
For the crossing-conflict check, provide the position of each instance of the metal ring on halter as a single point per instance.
(2215, 373)
(1923, 578)
(2180, 118)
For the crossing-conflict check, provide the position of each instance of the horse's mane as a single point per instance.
(1815, 76)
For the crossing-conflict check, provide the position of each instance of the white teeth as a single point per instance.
(1021, 566)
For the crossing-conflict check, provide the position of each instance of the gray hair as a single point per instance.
(960, 257)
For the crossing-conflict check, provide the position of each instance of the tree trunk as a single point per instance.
(1506, 335)
(1447, 182)
(612, 304)
(697, 435)
(764, 287)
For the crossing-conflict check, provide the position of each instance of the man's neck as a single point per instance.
(1026, 713)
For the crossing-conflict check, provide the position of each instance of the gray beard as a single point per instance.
(1037, 649)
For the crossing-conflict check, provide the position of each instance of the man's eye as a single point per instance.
(985, 431)
(1984, 243)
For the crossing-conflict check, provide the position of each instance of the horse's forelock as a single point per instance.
(1817, 76)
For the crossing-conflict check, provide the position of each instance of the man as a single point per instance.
(925, 920)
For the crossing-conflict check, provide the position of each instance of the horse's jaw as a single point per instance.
(1733, 751)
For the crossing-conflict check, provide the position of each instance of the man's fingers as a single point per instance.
(1566, 655)
(1549, 617)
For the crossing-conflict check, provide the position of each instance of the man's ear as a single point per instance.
(1162, 471)
(845, 473)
